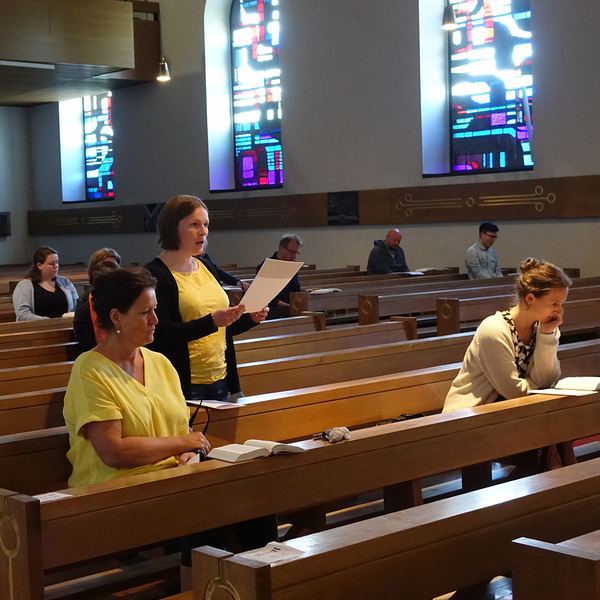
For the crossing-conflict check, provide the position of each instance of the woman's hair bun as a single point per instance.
(530, 263)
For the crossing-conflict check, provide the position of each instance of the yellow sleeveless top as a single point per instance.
(199, 295)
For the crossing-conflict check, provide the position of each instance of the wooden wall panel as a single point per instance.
(583, 195)
(513, 200)
(71, 221)
(302, 210)
(86, 32)
(557, 198)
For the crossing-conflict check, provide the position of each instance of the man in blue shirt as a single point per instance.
(481, 259)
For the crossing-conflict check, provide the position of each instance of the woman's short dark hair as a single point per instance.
(119, 289)
(101, 268)
(39, 256)
(176, 209)
(539, 277)
(100, 256)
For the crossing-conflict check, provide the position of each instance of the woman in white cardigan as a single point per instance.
(515, 350)
(43, 293)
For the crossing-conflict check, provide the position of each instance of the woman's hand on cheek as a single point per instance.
(550, 325)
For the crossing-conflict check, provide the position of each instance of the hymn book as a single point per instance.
(572, 386)
(252, 449)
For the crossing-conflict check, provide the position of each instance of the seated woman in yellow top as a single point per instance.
(124, 409)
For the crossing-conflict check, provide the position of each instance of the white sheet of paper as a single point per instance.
(51, 496)
(559, 392)
(269, 281)
(216, 404)
(273, 552)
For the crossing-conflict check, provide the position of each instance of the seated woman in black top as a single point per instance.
(44, 294)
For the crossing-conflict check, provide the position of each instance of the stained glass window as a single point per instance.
(256, 93)
(491, 86)
(98, 141)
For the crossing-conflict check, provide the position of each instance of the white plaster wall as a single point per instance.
(15, 183)
(351, 121)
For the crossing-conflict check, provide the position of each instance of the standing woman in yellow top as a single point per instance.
(195, 324)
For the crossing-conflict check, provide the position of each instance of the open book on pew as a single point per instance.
(252, 449)
(572, 386)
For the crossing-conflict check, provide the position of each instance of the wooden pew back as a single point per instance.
(180, 501)
(417, 553)
(270, 348)
(302, 324)
(561, 571)
(282, 416)
(345, 365)
(581, 311)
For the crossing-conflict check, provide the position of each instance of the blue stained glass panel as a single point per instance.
(98, 142)
(256, 93)
(491, 86)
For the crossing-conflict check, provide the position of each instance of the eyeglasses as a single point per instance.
(295, 252)
(490, 235)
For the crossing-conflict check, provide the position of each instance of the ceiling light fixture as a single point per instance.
(449, 20)
(163, 67)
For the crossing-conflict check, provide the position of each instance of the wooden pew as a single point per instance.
(477, 302)
(582, 315)
(250, 350)
(283, 416)
(561, 571)
(303, 324)
(297, 344)
(36, 377)
(37, 355)
(180, 501)
(345, 365)
(41, 337)
(347, 298)
(37, 325)
(416, 553)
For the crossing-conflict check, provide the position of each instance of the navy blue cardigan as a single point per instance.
(172, 335)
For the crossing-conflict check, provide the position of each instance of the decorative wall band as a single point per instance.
(570, 197)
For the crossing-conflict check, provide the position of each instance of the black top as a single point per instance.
(223, 276)
(172, 335)
(49, 304)
(82, 324)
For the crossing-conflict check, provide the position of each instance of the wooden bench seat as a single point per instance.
(179, 501)
(581, 312)
(373, 306)
(347, 298)
(283, 416)
(565, 570)
(298, 344)
(416, 553)
(303, 324)
(37, 355)
(345, 365)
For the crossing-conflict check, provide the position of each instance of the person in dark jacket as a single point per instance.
(289, 249)
(224, 276)
(86, 330)
(387, 256)
(195, 323)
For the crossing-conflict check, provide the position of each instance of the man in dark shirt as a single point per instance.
(289, 248)
(387, 256)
